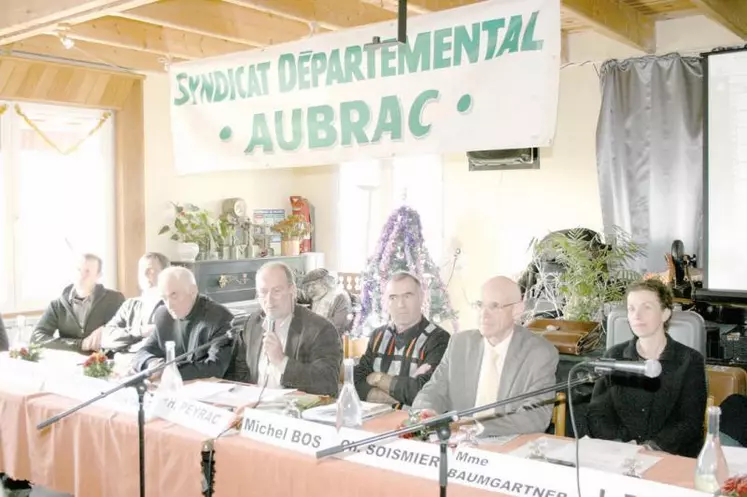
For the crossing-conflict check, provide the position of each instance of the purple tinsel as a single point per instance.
(402, 232)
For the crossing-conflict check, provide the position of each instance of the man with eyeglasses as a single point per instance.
(402, 355)
(500, 360)
(286, 345)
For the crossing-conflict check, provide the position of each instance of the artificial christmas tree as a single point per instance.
(401, 248)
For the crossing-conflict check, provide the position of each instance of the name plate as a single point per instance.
(289, 433)
(20, 376)
(82, 388)
(491, 471)
(503, 473)
(203, 418)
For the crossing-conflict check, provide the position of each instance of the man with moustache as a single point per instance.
(499, 360)
(286, 346)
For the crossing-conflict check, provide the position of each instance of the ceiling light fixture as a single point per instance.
(61, 32)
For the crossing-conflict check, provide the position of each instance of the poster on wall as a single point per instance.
(478, 77)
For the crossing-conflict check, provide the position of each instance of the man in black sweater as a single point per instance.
(189, 320)
(79, 315)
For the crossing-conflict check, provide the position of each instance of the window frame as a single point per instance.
(11, 129)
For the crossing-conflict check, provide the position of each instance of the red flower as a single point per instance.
(100, 358)
(729, 486)
(24, 351)
(742, 487)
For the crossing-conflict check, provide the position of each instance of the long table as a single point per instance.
(246, 467)
(94, 453)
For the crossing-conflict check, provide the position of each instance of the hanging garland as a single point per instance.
(104, 117)
(3, 108)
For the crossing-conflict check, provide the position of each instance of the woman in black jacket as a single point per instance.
(665, 413)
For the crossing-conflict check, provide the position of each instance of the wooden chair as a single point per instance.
(558, 414)
(724, 381)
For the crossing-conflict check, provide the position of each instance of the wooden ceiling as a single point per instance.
(146, 35)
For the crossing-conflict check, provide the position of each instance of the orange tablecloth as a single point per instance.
(94, 452)
(249, 468)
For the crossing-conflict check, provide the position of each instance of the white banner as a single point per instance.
(491, 471)
(479, 77)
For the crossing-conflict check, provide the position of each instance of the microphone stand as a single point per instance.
(138, 382)
(441, 425)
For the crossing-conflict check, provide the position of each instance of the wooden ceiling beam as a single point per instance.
(610, 17)
(616, 20)
(732, 14)
(328, 14)
(50, 46)
(20, 19)
(135, 35)
(220, 20)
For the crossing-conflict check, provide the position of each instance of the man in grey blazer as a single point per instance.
(286, 346)
(498, 361)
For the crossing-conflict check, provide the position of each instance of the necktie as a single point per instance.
(487, 384)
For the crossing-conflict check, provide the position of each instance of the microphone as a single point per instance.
(649, 368)
(270, 325)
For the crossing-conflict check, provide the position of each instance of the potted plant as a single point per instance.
(577, 273)
(194, 229)
(292, 229)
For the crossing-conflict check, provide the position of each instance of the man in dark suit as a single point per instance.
(79, 315)
(286, 346)
(189, 320)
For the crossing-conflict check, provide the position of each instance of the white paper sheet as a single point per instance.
(736, 460)
(201, 390)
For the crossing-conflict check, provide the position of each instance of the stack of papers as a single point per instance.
(328, 414)
(614, 457)
(231, 394)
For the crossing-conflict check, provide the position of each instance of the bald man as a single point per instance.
(499, 360)
(190, 320)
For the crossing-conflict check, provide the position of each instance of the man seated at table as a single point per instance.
(327, 298)
(134, 319)
(286, 345)
(402, 355)
(75, 321)
(190, 320)
(4, 342)
(499, 360)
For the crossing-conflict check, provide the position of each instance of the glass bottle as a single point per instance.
(171, 379)
(711, 470)
(349, 407)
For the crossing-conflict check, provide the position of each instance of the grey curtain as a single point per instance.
(649, 152)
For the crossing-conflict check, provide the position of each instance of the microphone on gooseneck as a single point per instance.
(649, 368)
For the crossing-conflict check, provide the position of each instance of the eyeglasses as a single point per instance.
(491, 306)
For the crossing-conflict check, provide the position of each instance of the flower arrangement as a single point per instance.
(32, 353)
(293, 227)
(736, 486)
(97, 366)
(415, 417)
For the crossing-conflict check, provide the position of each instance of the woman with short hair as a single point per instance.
(665, 413)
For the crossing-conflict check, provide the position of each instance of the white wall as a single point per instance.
(491, 216)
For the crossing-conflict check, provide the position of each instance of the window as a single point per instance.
(56, 203)
(358, 213)
(368, 192)
(418, 183)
